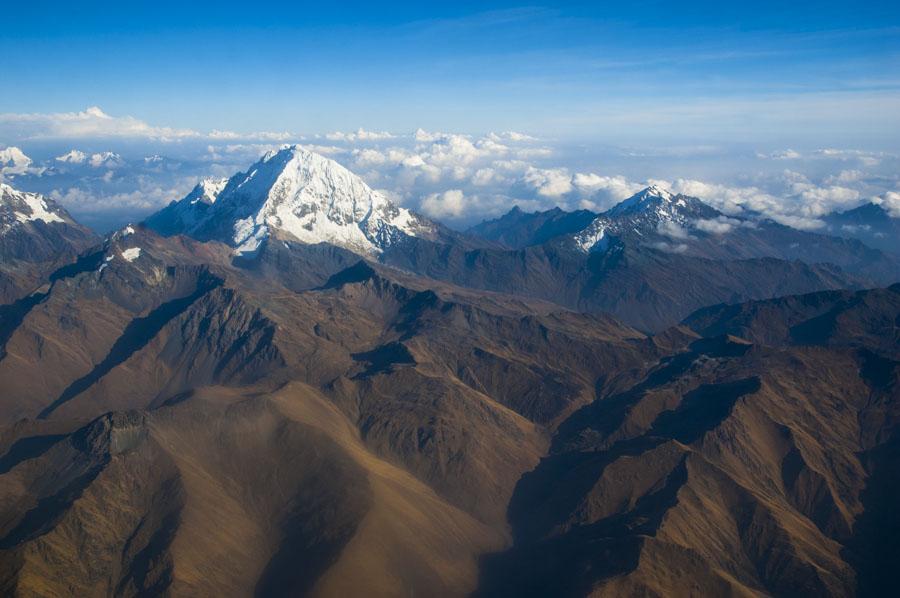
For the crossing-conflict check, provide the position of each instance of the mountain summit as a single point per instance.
(304, 195)
(37, 235)
(653, 213)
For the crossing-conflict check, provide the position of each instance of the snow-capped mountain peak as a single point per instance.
(17, 207)
(302, 194)
(651, 197)
(648, 214)
(207, 190)
(73, 157)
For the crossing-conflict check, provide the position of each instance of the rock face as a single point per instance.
(36, 236)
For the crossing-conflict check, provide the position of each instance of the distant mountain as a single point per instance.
(37, 235)
(658, 219)
(870, 223)
(650, 260)
(517, 229)
(307, 197)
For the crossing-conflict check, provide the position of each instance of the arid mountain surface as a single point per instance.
(395, 409)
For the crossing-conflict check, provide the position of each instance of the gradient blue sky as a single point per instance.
(795, 74)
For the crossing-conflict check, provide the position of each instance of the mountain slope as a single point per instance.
(183, 215)
(870, 223)
(379, 422)
(755, 465)
(175, 421)
(302, 194)
(517, 229)
(36, 236)
(645, 287)
(650, 261)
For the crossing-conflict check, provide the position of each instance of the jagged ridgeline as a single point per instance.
(284, 384)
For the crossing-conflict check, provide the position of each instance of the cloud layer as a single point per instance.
(107, 168)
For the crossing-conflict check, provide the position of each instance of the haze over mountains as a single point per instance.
(287, 384)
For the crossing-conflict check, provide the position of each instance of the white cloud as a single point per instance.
(845, 176)
(422, 135)
(673, 230)
(450, 203)
(548, 182)
(890, 201)
(863, 157)
(90, 123)
(142, 200)
(359, 135)
(670, 247)
(787, 154)
(367, 158)
(218, 135)
(487, 176)
(602, 192)
(719, 225)
(13, 161)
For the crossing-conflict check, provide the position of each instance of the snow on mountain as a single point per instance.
(301, 194)
(131, 254)
(651, 213)
(185, 215)
(206, 191)
(105, 160)
(72, 157)
(19, 207)
(13, 161)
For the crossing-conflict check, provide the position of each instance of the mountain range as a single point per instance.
(285, 384)
(631, 261)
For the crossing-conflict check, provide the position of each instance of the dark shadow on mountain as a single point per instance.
(12, 315)
(25, 449)
(874, 549)
(49, 510)
(361, 271)
(702, 410)
(571, 563)
(384, 359)
(147, 560)
(86, 263)
(878, 372)
(135, 337)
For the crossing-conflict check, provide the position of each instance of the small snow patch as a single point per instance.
(131, 254)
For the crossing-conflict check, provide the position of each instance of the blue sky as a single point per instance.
(788, 108)
(771, 73)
